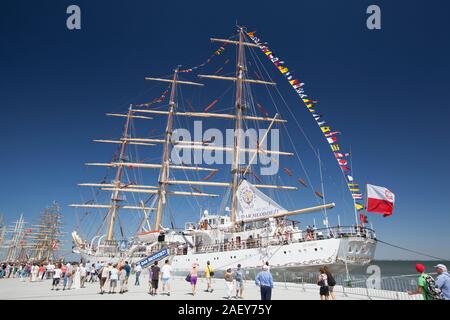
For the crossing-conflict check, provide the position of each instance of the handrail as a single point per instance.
(390, 287)
(287, 237)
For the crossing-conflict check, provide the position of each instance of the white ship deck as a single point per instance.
(14, 289)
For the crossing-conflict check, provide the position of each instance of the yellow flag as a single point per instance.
(359, 206)
(335, 147)
(325, 129)
(283, 69)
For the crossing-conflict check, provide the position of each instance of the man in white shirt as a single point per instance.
(113, 277)
(166, 274)
(138, 270)
(56, 277)
(50, 268)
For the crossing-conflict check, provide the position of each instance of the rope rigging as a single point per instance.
(410, 250)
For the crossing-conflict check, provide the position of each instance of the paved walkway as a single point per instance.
(14, 289)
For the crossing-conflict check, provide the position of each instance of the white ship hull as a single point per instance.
(305, 256)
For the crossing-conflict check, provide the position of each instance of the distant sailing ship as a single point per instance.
(40, 242)
(255, 228)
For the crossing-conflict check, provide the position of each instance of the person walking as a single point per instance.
(34, 272)
(103, 275)
(123, 280)
(150, 277)
(97, 267)
(56, 277)
(155, 277)
(239, 277)
(323, 283)
(113, 278)
(138, 270)
(229, 282)
(88, 268)
(2, 271)
(265, 281)
(49, 270)
(166, 275)
(443, 280)
(22, 272)
(331, 283)
(76, 278)
(193, 277)
(127, 268)
(209, 273)
(69, 273)
(41, 272)
(83, 275)
(94, 273)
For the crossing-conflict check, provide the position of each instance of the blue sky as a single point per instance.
(385, 90)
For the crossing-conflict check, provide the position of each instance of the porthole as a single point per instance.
(315, 249)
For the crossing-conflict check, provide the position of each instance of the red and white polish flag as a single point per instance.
(380, 200)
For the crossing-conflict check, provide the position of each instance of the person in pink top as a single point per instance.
(41, 272)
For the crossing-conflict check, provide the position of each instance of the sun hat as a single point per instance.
(441, 266)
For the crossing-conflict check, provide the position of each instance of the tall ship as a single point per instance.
(33, 242)
(252, 224)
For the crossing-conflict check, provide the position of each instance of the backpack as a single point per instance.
(431, 289)
(331, 281)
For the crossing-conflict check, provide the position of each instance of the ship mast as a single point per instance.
(46, 235)
(239, 113)
(115, 194)
(238, 126)
(164, 172)
(164, 181)
(239, 117)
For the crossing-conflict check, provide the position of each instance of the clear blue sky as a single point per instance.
(386, 90)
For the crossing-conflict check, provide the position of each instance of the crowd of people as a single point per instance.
(113, 278)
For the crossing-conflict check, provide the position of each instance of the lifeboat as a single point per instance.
(148, 236)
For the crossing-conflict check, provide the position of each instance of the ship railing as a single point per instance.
(384, 288)
(287, 237)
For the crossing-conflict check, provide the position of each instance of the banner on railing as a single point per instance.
(154, 257)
